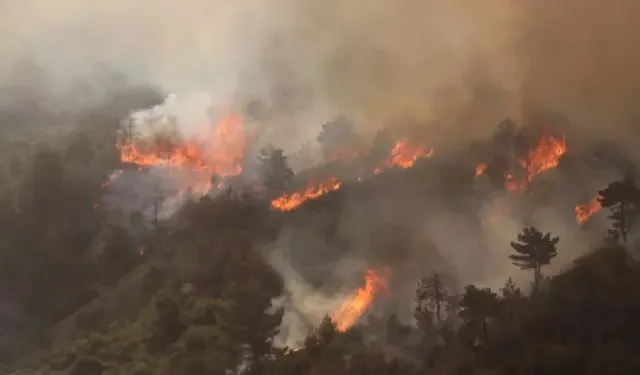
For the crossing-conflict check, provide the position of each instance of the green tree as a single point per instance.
(534, 250)
(478, 305)
(622, 198)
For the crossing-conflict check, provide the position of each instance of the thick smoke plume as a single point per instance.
(454, 67)
(461, 63)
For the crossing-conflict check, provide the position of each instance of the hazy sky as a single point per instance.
(464, 62)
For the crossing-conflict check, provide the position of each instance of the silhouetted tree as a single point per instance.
(622, 198)
(337, 136)
(477, 305)
(433, 294)
(424, 320)
(304, 158)
(381, 146)
(512, 299)
(505, 135)
(276, 171)
(534, 250)
(327, 330)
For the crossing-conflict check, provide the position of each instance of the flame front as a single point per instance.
(220, 153)
(288, 202)
(545, 155)
(480, 168)
(586, 210)
(404, 155)
(350, 311)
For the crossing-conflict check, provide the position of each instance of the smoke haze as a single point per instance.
(456, 66)
(460, 61)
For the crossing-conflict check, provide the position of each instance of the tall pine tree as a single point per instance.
(534, 249)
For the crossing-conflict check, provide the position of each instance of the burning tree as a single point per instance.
(534, 250)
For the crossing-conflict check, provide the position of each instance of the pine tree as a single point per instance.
(479, 305)
(622, 198)
(511, 298)
(432, 294)
(277, 174)
(534, 250)
(337, 136)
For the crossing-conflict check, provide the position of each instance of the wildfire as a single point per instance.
(219, 154)
(544, 156)
(288, 202)
(586, 210)
(512, 184)
(405, 154)
(480, 168)
(112, 178)
(350, 311)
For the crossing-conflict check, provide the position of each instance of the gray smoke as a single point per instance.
(455, 66)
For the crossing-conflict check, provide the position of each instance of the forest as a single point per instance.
(91, 288)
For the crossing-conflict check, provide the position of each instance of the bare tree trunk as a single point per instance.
(623, 223)
(536, 279)
(438, 295)
(485, 331)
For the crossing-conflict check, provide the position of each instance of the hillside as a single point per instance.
(213, 289)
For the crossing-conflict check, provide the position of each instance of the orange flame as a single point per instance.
(350, 311)
(221, 154)
(288, 202)
(545, 155)
(586, 210)
(480, 168)
(405, 154)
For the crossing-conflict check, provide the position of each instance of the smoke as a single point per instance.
(580, 59)
(302, 62)
(456, 66)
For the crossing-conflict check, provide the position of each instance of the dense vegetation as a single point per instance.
(193, 296)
